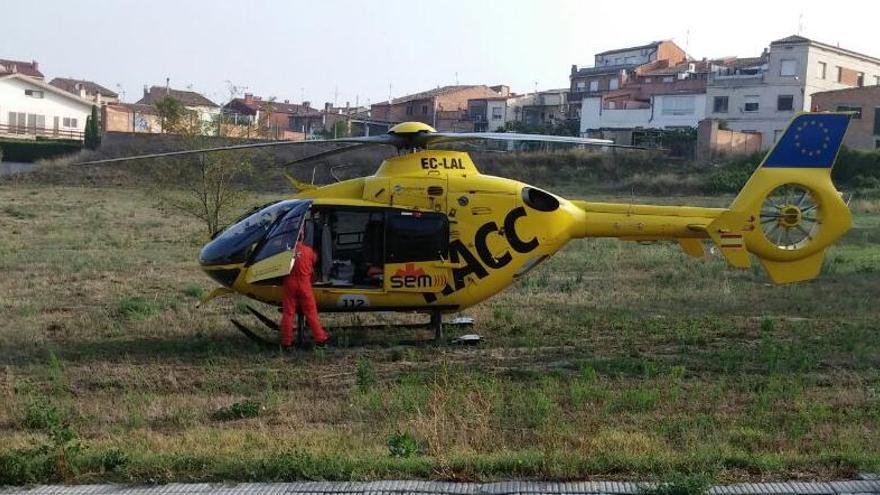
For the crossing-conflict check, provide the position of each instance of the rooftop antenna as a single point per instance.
(687, 42)
(335, 95)
(456, 78)
(389, 93)
(801, 24)
(121, 91)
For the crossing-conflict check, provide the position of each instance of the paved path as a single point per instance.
(868, 485)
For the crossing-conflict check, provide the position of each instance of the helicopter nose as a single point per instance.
(224, 276)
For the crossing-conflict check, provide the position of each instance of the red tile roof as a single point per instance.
(74, 85)
(17, 66)
(187, 98)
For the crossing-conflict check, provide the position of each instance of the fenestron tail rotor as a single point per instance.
(790, 217)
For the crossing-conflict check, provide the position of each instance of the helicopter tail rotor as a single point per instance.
(794, 209)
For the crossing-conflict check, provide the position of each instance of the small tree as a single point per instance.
(176, 118)
(92, 137)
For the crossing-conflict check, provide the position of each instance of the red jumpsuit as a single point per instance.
(298, 291)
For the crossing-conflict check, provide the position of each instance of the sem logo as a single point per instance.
(413, 277)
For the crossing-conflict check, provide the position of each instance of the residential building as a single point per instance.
(29, 107)
(444, 108)
(490, 113)
(761, 95)
(130, 117)
(663, 111)
(282, 119)
(864, 102)
(86, 89)
(547, 107)
(31, 69)
(659, 95)
(205, 109)
(614, 68)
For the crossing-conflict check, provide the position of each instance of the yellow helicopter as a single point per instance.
(428, 233)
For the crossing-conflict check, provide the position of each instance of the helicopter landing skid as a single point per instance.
(436, 324)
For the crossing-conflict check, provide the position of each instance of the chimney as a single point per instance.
(248, 97)
(307, 104)
(35, 64)
(287, 102)
(574, 69)
(328, 106)
(82, 90)
(146, 91)
(167, 86)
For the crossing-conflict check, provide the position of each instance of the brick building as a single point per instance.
(613, 69)
(444, 108)
(864, 102)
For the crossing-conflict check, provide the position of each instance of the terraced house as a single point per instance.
(761, 95)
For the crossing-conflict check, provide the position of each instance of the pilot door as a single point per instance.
(273, 257)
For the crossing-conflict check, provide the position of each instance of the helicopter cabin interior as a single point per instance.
(355, 243)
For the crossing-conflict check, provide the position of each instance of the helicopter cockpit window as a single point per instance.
(234, 244)
(416, 236)
(284, 233)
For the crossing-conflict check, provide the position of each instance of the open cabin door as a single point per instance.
(273, 258)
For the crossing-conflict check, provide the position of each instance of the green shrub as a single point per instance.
(136, 308)
(732, 175)
(31, 151)
(366, 374)
(403, 445)
(113, 459)
(240, 410)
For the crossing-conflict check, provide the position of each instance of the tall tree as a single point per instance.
(92, 137)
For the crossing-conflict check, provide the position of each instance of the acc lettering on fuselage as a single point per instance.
(459, 253)
(432, 163)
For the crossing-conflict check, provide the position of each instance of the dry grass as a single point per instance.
(613, 360)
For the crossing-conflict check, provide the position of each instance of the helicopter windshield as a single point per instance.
(234, 244)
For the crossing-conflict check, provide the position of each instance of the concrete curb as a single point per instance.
(870, 484)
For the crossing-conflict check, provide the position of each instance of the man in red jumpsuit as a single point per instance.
(297, 292)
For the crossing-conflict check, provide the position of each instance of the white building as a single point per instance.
(761, 95)
(30, 107)
(205, 109)
(664, 111)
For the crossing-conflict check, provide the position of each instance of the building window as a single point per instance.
(668, 79)
(785, 103)
(720, 104)
(33, 93)
(877, 121)
(594, 86)
(860, 79)
(69, 122)
(840, 74)
(409, 110)
(823, 70)
(648, 79)
(857, 111)
(788, 68)
(776, 134)
(424, 109)
(678, 105)
(497, 113)
(613, 84)
(581, 85)
(876, 80)
(751, 104)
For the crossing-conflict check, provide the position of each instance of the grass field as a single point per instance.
(613, 360)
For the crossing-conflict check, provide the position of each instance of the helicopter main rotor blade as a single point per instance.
(379, 139)
(448, 137)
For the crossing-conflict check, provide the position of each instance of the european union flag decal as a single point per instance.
(812, 140)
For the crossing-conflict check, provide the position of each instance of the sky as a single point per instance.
(362, 51)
